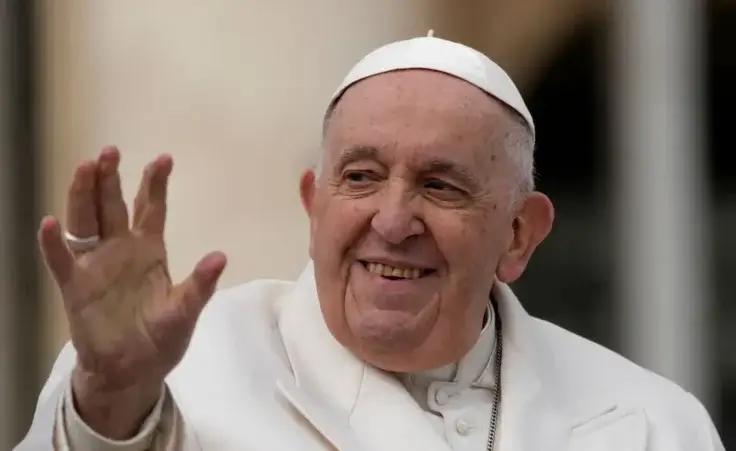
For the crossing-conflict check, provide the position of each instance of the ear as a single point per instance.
(307, 190)
(531, 226)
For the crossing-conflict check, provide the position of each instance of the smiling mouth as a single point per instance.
(396, 273)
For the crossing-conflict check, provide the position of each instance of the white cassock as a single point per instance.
(264, 373)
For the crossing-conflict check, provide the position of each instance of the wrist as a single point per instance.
(115, 413)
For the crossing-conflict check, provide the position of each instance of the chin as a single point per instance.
(389, 339)
(402, 343)
(391, 332)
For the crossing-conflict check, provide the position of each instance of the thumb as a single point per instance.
(198, 288)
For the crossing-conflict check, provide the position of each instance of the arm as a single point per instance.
(57, 425)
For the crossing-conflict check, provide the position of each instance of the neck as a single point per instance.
(467, 370)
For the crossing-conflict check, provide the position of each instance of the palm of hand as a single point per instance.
(121, 299)
(129, 324)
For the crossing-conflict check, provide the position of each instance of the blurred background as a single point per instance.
(635, 148)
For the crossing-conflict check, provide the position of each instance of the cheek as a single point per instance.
(472, 258)
(471, 246)
(460, 238)
(338, 228)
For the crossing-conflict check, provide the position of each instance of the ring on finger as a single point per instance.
(78, 244)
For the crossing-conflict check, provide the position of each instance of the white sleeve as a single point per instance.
(72, 433)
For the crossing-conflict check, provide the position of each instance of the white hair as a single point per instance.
(518, 143)
(519, 146)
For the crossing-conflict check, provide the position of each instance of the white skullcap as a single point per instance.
(443, 56)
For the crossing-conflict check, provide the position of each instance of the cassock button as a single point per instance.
(463, 427)
(441, 397)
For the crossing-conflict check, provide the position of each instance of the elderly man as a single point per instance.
(401, 333)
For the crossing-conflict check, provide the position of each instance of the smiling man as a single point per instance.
(401, 333)
(414, 214)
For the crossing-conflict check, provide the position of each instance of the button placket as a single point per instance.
(464, 427)
(466, 416)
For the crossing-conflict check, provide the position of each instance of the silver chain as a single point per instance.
(497, 394)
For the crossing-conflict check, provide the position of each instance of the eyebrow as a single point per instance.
(455, 170)
(354, 154)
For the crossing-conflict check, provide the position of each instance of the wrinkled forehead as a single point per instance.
(418, 112)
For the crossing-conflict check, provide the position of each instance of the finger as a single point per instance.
(113, 214)
(198, 288)
(149, 213)
(81, 208)
(58, 258)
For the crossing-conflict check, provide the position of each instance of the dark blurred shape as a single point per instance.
(569, 279)
(20, 288)
(721, 95)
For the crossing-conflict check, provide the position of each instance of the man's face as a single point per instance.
(410, 217)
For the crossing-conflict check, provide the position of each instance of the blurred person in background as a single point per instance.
(400, 334)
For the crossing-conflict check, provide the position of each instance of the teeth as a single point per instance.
(390, 271)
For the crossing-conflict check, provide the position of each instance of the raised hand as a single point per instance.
(129, 323)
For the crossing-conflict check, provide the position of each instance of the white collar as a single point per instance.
(346, 399)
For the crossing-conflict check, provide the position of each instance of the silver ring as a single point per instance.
(78, 244)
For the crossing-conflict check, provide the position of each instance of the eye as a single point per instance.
(439, 185)
(357, 177)
(441, 191)
(359, 180)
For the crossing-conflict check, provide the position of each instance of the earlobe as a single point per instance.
(307, 190)
(531, 227)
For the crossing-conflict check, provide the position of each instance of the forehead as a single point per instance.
(418, 113)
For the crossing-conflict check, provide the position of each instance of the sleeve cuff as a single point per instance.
(75, 434)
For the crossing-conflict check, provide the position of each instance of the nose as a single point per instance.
(395, 220)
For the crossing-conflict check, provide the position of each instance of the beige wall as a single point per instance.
(234, 90)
